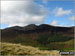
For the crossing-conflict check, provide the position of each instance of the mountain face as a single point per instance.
(34, 29)
(43, 35)
(33, 32)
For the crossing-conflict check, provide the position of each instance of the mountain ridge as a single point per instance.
(42, 35)
(32, 28)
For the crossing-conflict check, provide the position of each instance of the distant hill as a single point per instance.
(41, 29)
(38, 35)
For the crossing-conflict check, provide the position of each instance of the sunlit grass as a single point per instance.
(18, 49)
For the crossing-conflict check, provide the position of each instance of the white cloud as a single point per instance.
(54, 23)
(72, 18)
(61, 12)
(22, 13)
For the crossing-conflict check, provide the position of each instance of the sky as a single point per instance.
(24, 12)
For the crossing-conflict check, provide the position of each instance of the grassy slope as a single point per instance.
(64, 46)
(18, 49)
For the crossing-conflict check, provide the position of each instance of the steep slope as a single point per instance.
(39, 36)
(68, 31)
(33, 31)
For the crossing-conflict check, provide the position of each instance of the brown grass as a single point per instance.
(18, 49)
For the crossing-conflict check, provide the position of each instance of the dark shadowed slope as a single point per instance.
(44, 35)
(34, 29)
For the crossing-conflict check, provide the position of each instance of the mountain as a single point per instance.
(41, 29)
(39, 35)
